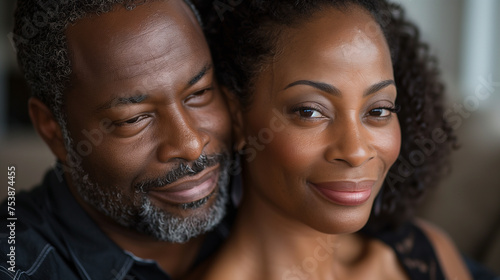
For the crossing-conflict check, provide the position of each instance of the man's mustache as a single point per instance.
(183, 170)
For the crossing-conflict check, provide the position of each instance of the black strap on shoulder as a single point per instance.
(414, 251)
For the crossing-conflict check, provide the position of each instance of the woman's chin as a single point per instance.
(341, 222)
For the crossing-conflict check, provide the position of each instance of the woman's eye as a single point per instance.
(380, 112)
(308, 113)
(383, 112)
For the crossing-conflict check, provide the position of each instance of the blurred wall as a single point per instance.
(3, 68)
(465, 37)
(19, 144)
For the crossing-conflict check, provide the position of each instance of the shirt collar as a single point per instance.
(93, 252)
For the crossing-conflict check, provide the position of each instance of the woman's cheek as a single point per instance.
(293, 152)
(390, 144)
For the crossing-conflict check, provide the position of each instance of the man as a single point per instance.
(125, 98)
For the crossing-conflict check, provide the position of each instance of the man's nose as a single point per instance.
(183, 139)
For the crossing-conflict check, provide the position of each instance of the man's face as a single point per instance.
(149, 129)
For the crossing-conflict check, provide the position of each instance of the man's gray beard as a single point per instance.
(140, 214)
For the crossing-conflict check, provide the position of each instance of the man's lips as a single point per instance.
(190, 188)
(347, 193)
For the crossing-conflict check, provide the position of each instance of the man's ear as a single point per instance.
(47, 127)
(236, 117)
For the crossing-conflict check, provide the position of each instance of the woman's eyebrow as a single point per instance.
(319, 85)
(331, 89)
(378, 86)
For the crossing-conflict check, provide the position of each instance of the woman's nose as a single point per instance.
(351, 143)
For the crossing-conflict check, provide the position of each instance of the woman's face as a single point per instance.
(321, 131)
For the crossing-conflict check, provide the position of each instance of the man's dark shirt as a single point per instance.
(56, 239)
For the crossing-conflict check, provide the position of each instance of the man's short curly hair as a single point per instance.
(40, 41)
(247, 37)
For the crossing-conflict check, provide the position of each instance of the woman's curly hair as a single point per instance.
(245, 37)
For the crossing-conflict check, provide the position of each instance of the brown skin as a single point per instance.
(154, 50)
(348, 136)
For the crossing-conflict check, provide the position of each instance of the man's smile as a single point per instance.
(189, 188)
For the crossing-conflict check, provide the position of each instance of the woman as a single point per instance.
(330, 100)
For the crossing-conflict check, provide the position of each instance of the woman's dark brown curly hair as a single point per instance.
(244, 38)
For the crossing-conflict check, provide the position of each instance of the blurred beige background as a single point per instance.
(465, 37)
(463, 34)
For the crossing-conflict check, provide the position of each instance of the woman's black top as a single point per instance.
(414, 251)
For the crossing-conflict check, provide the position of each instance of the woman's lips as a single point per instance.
(189, 189)
(347, 193)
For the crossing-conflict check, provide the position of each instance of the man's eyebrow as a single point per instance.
(138, 98)
(200, 74)
(120, 101)
(335, 91)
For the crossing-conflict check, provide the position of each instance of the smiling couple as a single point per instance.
(156, 196)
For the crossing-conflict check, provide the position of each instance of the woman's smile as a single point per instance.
(347, 193)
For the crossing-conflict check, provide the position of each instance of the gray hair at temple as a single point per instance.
(42, 51)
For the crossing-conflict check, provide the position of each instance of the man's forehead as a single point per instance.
(149, 39)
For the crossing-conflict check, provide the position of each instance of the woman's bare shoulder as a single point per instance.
(448, 254)
(223, 266)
